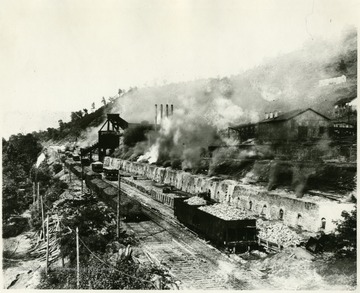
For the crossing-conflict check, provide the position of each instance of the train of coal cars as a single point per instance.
(229, 233)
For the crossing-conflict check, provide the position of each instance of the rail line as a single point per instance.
(190, 259)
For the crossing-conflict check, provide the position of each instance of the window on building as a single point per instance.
(323, 223)
(321, 130)
(281, 214)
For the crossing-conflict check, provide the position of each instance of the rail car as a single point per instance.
(229, 233)
(130, 209)
(97, 167)
(111, 173)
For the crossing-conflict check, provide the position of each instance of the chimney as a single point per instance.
(161, 112)
(155, 116)
(172, 109)
(167, 110)
(266, 115)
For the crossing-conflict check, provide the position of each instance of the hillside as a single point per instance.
(283, 83)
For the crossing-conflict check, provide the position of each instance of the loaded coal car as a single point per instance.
(220, 229)
(85, 161)
(97, 167)
(111, 173)
(130, 209)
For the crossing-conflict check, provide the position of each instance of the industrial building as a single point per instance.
(297, 125)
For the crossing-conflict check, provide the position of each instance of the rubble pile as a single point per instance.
(278, 233)
(195, 200)
(225, 212)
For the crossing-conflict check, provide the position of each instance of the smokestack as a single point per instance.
(167, 111)
(161, 112)
(276, 114)
(266, 115)
(155, 116)
(271, 115)
(172, 109)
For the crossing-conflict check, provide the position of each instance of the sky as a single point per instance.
(60, 56)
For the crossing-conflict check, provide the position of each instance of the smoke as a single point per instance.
(40, 159)
(202, 109)
(88, 137)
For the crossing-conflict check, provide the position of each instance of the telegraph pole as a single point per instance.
(77, 260)
(42, 216)
(38, 195)
(82, 178)
(34, 193)
(47, 244)
(118, 208)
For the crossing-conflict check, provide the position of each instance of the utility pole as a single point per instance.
(118, 208)
(77, 260)
(47, 244)
(34, 192)
(82, 179)
(38, 194)
(42, 216)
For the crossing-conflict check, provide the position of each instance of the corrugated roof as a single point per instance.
(290, 115)
(281, 117)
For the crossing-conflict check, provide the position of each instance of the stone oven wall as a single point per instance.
(295, 211)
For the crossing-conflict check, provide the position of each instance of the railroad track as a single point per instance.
(183, 261)
(190, 259)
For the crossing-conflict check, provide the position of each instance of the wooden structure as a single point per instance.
(296, 125)
(108, 137)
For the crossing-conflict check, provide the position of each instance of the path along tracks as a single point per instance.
(189, 259)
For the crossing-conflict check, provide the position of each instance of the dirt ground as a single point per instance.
(19, 270)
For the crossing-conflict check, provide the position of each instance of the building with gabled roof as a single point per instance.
(301, 124)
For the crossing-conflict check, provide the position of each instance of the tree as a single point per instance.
(61, 125)
(93, 107)
(103, 101)
(19, 155)
(112, 99)
(96, 223)
(85, 111)
(346, 233)
(76, 115)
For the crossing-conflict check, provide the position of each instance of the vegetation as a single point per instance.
(19, 155)
(346, 234)
(96, 223)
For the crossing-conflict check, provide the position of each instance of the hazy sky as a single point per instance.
(60, 56)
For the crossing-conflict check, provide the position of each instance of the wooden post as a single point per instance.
(38, 194)
(34, 192)
(118, 208)
(42, 216)
(47, 244)
(82, 179)
(77, 260)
